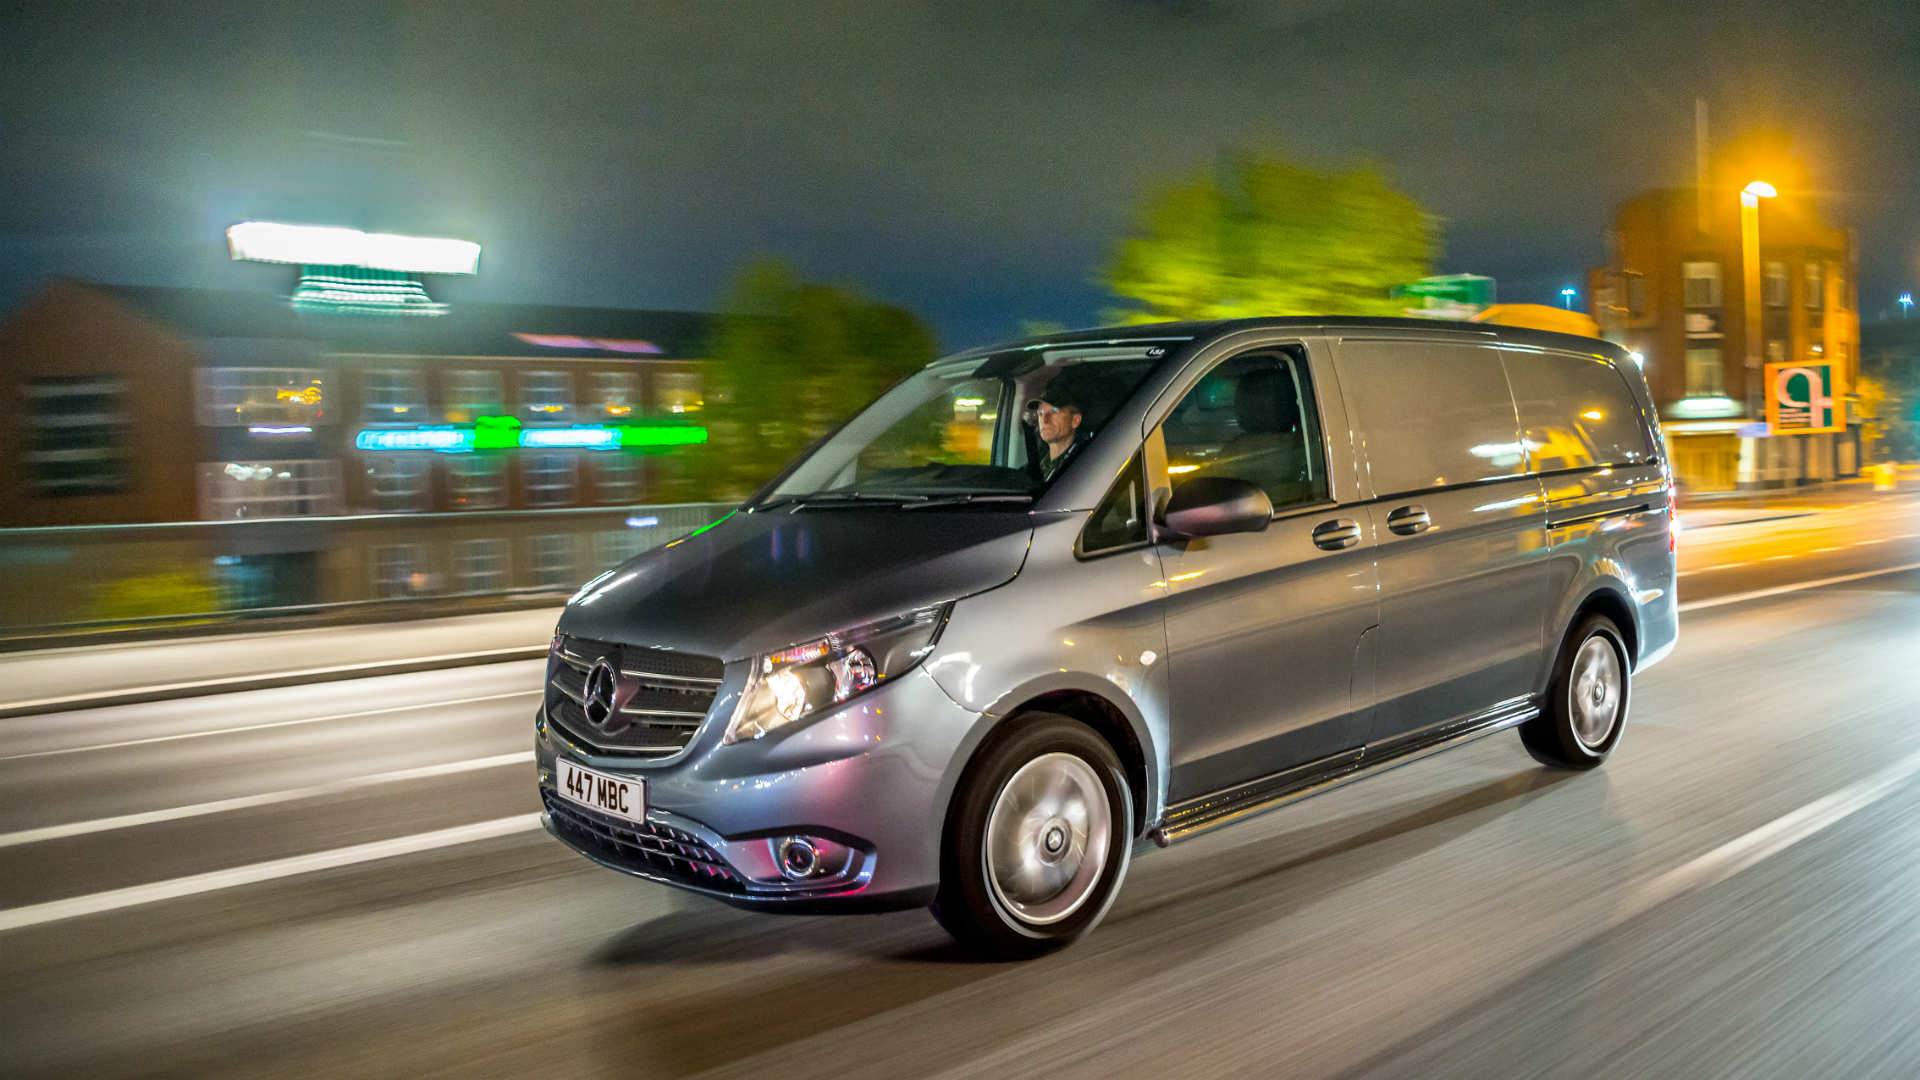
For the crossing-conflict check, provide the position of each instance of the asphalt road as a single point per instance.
(345, 880)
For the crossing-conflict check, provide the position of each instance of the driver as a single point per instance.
(1061, 413)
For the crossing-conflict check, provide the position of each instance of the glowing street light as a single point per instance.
(1750, 303)
(1566, 296)
(1906, 303)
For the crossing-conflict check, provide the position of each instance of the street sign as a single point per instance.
(1804, 399)
(1459, 288)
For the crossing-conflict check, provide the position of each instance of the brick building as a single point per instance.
(1674, 290)
(482, 449)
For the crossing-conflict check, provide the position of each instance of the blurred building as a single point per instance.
(483, 449)
(1674, 290)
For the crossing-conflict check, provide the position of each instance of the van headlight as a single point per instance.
(795, 683)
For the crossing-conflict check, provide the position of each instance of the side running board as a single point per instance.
(1194, 816)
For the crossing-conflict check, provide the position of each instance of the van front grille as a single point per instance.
(660, 697)
(642, 847)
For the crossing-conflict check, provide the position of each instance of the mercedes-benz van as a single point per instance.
(1045, 605)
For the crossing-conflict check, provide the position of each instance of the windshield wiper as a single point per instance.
(844, 498)
(976, 497)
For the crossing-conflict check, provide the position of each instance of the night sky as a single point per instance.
(971, 161)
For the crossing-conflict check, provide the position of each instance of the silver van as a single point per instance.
(1042, 604)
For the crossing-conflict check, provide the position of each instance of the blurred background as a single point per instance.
(340, 342)
(691, 239)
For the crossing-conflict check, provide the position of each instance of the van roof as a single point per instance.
(1185, 331)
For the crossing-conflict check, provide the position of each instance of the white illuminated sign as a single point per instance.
(584, 438)
(323, 245)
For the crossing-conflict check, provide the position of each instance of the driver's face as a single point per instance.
(1057, 424)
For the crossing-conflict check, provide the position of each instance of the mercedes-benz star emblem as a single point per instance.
(597, 701)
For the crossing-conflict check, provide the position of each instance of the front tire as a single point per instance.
(1037, 841)
(1587, 699)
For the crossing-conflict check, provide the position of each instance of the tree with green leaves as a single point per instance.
(1257, 235)
(789, 361)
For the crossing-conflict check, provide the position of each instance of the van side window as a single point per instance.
(1575, 411)
(1252, 418)
(1120, 519)
(1430, 413)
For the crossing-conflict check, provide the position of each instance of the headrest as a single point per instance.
(1266, 402)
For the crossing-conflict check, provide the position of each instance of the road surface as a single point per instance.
(345, 879)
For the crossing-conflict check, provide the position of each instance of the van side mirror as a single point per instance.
(1212, 505)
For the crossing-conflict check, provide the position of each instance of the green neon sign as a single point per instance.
(507, 433)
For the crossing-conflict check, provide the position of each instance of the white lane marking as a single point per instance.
(195, 884)
(1817, 551)
(530, 652)
(269, 724)
(1737, 598)
(1766, 841)
(1771, 558)
(247, 802)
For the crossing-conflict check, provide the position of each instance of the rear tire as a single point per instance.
(1037, 840)
(1587, 699)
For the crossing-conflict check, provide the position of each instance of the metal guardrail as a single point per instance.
(50, 575)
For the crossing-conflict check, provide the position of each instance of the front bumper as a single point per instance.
(869, 782)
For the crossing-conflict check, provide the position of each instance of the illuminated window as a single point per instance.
(395, 396)
(480, 565)
(678, 391)
(549, 479)
(76, 430)
(400, 570)
(1816, 290)
(550, 561)
(1776, 351)
(472, 394)
(546, 394)
(1706, 375)
(1702, 284)
(616, 477)
(397, 482)
(268, 397)
(614, 393)
(1773, 288)
(477, 481)
(236, 490)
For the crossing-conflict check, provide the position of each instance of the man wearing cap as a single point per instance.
(1060, 415)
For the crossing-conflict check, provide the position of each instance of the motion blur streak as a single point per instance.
(248, 802)
(95, 903)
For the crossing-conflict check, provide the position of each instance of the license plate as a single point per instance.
(623, 797)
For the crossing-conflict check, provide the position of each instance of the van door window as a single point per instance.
(1252, 418)
(1575, 412)
(1430, 414)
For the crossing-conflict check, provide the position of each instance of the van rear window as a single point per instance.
(1575, 412)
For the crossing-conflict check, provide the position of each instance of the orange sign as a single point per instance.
(1804, 399)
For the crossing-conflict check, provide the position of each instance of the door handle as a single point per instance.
(1336, 534)
(1409, 520)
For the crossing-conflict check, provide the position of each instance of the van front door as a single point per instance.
(1462, 543)
(1262, 628)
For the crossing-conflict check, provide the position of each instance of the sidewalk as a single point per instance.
(90, 676)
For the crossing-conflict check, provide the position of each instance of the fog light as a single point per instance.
(798, 858)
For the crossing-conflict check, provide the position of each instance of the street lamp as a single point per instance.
(1906, 303)
(1750, 301)
(1566, 297)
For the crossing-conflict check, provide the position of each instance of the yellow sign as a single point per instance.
(1804, 399)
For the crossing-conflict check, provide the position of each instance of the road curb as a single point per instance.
(141, 695)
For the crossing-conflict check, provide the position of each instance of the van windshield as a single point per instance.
(995, 429)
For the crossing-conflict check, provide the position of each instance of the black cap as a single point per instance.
(1062, 394)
